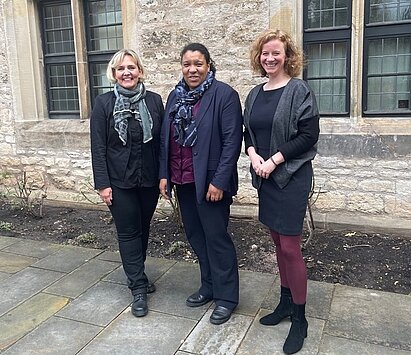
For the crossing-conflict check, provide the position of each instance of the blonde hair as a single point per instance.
(294, 56)
(118, 58)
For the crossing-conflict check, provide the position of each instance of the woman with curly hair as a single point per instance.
(281, 131)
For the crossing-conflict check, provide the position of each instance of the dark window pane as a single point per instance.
(389, 11)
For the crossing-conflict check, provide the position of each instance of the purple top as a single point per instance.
(181, 158)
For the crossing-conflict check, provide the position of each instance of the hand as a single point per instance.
(163, 188)
(266, 169)
(256, 160)
(106, 195)
(214, 194)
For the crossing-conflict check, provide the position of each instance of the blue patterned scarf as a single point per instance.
(129, 104)
(185, 130)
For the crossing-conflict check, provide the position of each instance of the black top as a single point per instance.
(261, 121)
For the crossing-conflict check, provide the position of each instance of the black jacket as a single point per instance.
(111, 159)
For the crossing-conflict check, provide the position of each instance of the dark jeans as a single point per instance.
(132, 210)
(205, 225)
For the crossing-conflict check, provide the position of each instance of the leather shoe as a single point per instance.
(197, 300)
(139, 307)
(220, 315)
(151, 288)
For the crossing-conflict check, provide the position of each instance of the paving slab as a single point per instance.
(67, 259)
(99, 305)
(23, 285)
(371, 316)
(12, 263)
(28, 315)
(156, 333)
(254, 287)
(110, 256)
(262, 340)
(155, 268)
(4, 275)
(6, 241)
(75, 283)
(176, 285)
(33, 248)
(224, 339)
(56, 336)
(340, 346)
(319, 296)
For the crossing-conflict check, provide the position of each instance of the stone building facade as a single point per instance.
(362, 171)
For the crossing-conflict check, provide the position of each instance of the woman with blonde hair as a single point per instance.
(125, 139)
(281, 130)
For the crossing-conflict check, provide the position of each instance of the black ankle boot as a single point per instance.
(282, 311)
(139, 307)
(298, 330)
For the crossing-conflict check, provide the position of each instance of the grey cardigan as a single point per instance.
(297, 103)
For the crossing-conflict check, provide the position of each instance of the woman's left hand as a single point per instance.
(265, 169)
(214, 194)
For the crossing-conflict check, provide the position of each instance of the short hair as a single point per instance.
(203, 50)
(294, 56)
(118, 58)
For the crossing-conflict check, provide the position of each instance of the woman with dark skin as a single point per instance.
(125, 136)
(281, 130)
(200, 145)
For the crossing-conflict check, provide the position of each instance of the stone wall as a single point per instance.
(362, 170)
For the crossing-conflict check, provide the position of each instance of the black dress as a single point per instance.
(281, 210)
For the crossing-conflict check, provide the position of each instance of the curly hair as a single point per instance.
(294, 56)
(118, 58)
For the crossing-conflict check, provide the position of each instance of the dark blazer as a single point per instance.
(109, 156)
(215, 155)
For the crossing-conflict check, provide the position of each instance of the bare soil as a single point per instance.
(353, 258)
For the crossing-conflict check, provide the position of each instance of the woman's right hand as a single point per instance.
(256, 160)
(106, 195)
(163, 188)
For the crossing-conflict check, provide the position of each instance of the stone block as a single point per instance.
(362, 315)
(56, 336)
(207, 338)
(35, 249)
(30, 281)
(12, 263)
(156, 333)
(99, 305)
(75, 283)
(27, 316)
(67, 259)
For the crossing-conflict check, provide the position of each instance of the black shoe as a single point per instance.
(283, 310)
(151, 288)
(139, 307)
(220, 315)
(197, 300)
(298, 330)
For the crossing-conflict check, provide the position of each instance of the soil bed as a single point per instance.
(368, 260)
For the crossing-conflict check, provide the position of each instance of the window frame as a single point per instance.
(83, 57)
(379, 30)
(325, 35)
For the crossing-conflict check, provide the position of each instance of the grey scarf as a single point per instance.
(131, 103)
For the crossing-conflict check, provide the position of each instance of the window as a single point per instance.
(327, 46)
(100, 21)
(387, 58)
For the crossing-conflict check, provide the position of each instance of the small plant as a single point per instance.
(6, 226)
(27, 194)
(86, 238)
(175, 246)
(88, 192)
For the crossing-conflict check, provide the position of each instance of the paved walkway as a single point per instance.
(58, 299)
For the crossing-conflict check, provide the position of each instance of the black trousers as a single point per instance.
(132, 210)
(206, 225)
